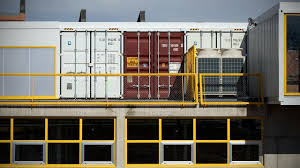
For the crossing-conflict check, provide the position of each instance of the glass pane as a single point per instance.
(245, 153)
(211, 129)
(211, 153)
(177, 152)
(4, 153)
(29, 153)
(177, 129)
(245, 129)
(293, 54)
(5, 129)
(29, 129)
(97, 153)
(63, 129)
(138, 153)
(98, 129)
(142, 129)
(63, 153)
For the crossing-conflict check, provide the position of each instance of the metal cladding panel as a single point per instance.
(149, 53)
(75, 58)
(27, 60)
(263, 57)
(106, 58)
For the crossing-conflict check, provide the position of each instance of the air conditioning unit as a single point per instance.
(213, 60)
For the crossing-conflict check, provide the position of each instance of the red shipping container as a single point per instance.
(153, 52)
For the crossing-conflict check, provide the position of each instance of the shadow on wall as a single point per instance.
(282, 130)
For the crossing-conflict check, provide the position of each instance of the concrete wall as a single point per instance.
(282, 136)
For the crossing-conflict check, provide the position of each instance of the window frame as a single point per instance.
(285, 92)
(83, 162)
(195, 141)
(162, 145)
(260, 155)
(14, 143)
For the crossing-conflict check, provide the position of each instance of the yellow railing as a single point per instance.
(162, 88)
(191, 68)
(231, 89)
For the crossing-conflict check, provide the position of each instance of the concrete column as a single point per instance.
(120, 142)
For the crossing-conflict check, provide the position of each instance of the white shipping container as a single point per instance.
(96, 53)
(75, 59)
(216, 39)
(106, 59)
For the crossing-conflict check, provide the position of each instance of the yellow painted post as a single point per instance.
(195, 139)
(228, 138)
(159, 138)
(11, 137)
(80, 139)
(182, 89)
(46, 138)
(125, 141)
(115, 141)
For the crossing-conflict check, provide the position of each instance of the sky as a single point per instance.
(128, 10)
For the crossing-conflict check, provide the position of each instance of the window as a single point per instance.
(98, 129)
(29, 152)
(63, 129)
(211, 153)
(29, 144)
(63, 153)
(142, 129)
(29, 129)
(242, 152)
(217, 142)
(177, 129)
(4, 153)
(245, 129)
(4, 129)
(292, 54)
(177, 152)
(142, 153)
(97, 152)
(211, 129)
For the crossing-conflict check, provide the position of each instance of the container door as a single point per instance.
(201, 39)
(75, 59)
(169, 53)
(138, 58)
(231, 39)
(106, 59)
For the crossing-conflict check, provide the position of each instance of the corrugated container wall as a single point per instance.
(152, 52)
(225, 38)
(91, 53)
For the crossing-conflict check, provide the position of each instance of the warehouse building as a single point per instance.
(151, 94)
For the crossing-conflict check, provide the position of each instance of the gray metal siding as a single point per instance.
(263, 55)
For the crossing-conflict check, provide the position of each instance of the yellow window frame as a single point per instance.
(33, 97)
(195, 142)
(58, 141)
(285, 55)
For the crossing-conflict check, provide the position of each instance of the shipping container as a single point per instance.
(91, 53)
(274, 51)
(224, 38)
(152, 52)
